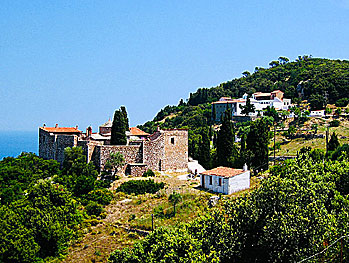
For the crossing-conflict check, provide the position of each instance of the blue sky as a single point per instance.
(75, 62)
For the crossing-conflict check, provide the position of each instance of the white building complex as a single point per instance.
(259, 100)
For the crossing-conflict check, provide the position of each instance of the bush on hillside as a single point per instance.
(334, 123)
(140, 187)
(149, 173)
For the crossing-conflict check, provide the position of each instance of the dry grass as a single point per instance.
(109, 234)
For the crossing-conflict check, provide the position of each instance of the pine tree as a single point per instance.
(226, 150)
(124, 112)
(118, 129)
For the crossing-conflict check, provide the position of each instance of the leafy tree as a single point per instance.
(18, 174)
(271, 112)
(283, 60)
(77, 176)
(226, 150)
(274, 63)
(333, 143)
(174, 199)
(316, 101)
(113, 164)
(343, 102)
(248, 107)
(118, 129)
(328, 111)
(257, 143)
(338, 111)
(246, 74)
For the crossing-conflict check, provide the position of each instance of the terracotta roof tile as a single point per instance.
(137, 132)
(61, 129)
(224, 172)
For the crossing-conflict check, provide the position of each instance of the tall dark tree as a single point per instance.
(118, 129)
(248, 107)
(333, 143)
(204, 157)
(124, 112)
(257, 143)
(226, 150)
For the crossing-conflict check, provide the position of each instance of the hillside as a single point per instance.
(318, 80)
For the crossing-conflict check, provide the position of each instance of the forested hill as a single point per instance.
(321, 80)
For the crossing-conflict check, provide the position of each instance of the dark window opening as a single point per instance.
(210, 180)
(172, 140)
(219, 181)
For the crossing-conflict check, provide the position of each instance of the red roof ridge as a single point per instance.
(223, 171)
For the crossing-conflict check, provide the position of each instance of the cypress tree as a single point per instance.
(118, 129)
(204, 157)
(124, 112)
(257, 143)
(333, 143)
(226, 150)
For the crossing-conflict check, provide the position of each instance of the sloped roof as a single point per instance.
(61, 129)
(108, 124)
(224, 172)
(137, 132)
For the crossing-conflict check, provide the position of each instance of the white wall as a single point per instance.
(239, 182)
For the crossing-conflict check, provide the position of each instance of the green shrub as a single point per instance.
(334, 123)
(101, 196)
(149, 173)
(93, 208)
(140, 187)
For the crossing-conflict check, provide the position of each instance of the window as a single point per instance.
(172, 140)
(219, 181)
(210, 180)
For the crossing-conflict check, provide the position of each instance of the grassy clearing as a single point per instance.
(290, 147)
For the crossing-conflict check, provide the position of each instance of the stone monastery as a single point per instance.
(164, 150)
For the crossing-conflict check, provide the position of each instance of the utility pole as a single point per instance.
(274, 140)
(152, 222)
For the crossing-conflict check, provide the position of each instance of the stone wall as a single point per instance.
(131, 153)
(46, 145)
(153, 152)
(136, 169)
(176, 150)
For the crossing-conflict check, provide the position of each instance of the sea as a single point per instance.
(13, 143)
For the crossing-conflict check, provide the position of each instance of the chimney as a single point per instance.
(244, 167)
(56, 126)
(88, 131)
(44, 125)
(76, 127)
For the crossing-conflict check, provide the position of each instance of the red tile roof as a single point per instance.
(223, 171)
(137, 132)
(61, 129)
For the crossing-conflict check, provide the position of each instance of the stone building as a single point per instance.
(164, 150)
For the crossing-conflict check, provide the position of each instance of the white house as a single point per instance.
(225, 180)
(317, 113)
